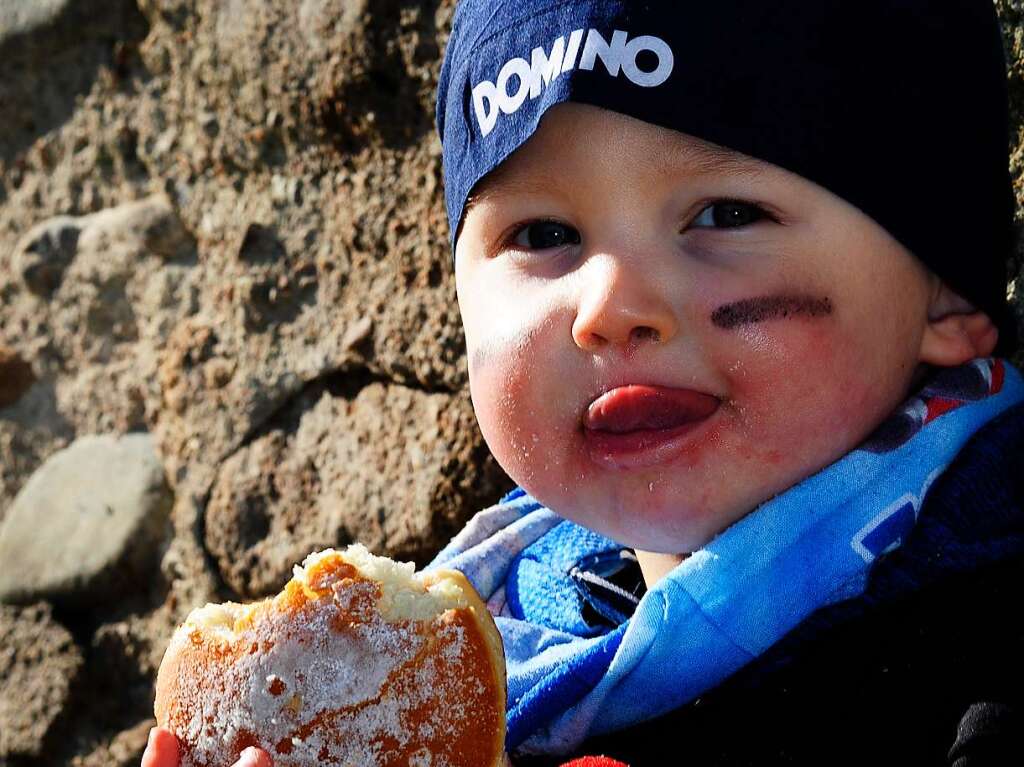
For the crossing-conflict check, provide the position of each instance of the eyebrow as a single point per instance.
(708, 159)
(699, 159)
(502, 185)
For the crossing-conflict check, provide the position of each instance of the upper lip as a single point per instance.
(596, 415)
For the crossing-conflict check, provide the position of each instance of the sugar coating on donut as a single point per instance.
(357, 661)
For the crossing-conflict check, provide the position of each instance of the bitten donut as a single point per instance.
(358, 661)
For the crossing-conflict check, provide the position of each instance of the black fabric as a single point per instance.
(611, 585)
(920, 670)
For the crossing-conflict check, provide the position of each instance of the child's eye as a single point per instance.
(540, 235)
(729, 214)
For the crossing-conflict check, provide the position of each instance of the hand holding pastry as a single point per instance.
(357, 661)
(162, 751)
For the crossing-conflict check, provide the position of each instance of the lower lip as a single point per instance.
(644, 447)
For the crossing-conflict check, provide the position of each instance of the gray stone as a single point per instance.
(45, 26)
(148, 226)
(39, 664)
(86, 526)
(18, 17)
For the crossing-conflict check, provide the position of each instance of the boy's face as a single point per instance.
(661, 338)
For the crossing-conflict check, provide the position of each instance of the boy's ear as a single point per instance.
(956, 332)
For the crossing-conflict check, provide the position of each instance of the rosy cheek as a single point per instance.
(797, 390)
(521, 360)
(505, 397)
(779, 359)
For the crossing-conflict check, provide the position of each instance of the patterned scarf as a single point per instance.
(587, 657)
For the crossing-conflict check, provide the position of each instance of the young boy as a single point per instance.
(704, 254)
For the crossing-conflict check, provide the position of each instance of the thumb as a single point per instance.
(254, 757)
(161, 749)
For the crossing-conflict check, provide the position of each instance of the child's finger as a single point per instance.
(254, 757)
(161, 750)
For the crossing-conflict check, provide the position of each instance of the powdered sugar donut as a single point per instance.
(358, 661)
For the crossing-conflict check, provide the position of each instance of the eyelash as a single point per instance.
(760, 212)
(760, 215)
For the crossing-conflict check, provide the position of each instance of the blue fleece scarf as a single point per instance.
(570, 677)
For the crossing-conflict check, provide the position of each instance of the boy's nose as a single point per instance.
(619, 307)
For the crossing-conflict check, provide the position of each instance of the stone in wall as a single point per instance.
(93, 301)
(86, 528)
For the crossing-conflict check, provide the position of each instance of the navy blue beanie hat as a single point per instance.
(898, 106)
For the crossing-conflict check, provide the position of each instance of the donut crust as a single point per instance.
(358, 661)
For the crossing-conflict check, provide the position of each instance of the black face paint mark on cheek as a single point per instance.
(763, 308)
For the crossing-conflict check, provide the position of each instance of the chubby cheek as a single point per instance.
(501, 392)
(802, 392)
(518, 386)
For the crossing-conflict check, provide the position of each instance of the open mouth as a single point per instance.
(640, 425)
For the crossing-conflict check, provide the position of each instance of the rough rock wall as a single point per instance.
(222, 228)
(221, 225)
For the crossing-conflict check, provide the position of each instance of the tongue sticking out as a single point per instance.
(637, 407)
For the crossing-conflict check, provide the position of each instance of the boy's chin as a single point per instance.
(662, 526)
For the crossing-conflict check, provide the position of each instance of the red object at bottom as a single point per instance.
(595, 761)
